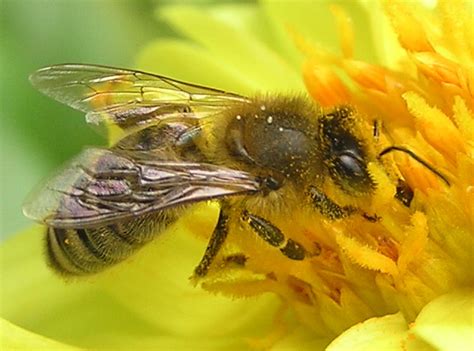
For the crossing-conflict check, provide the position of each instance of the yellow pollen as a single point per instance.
(366, 256)
(324, 85)
(365, 74)
(388, 255)
(437, 67)
(463, 118)
(435, 127)
(414, 243)
(410, 31)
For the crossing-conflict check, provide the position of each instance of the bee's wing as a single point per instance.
(127, 97)
(100, 186)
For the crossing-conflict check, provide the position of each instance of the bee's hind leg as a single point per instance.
(274, 236)
(215, 243)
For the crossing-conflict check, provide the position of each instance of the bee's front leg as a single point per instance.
(274, 236)
(326, 206)
(215, 243)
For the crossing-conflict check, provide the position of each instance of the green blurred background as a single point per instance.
(38, 134)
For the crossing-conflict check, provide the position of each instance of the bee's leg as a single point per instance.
(274, 236)
(215, 243)
(327, 207)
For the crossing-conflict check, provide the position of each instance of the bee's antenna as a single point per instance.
(417, 158)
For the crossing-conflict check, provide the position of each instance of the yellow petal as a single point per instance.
(147, 302)
(410, 31)
(387, 333)
(301, 339)
(192, 63)
(447, 322)
(34, 298)
(384, 39)
(315, 21)
(155, 285)
(240, 50)
(13, 337)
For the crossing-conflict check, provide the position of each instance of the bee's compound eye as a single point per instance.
(350, 166)
(350, 173)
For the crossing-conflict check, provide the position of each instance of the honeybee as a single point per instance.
(184, 143)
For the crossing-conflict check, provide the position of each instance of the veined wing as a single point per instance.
(127, 97)
(100, 186)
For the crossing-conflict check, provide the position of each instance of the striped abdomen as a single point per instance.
(83, 251)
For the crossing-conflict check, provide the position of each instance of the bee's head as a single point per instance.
(344, 153)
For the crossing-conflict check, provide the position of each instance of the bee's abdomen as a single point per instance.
(83, 251)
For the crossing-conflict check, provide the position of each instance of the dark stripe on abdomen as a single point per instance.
(115, 229)
(59, 255)
(85, 251)
(86, 236)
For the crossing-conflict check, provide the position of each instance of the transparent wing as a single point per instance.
(100, 186)
(127, 97)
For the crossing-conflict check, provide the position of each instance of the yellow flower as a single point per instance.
(401, 281)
